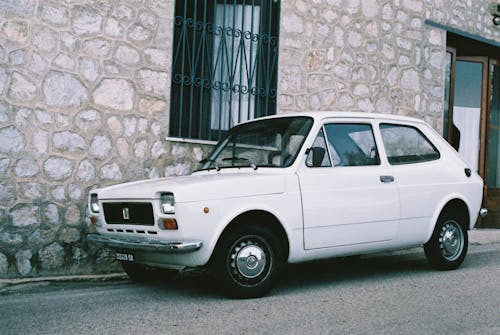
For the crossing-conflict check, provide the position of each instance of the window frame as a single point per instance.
(193, 87)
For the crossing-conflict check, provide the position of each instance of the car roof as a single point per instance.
(321, 115)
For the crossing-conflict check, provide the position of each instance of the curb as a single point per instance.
(23, 284)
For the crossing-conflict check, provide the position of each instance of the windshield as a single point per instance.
(265, 143)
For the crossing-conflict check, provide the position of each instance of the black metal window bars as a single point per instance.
(224, 65)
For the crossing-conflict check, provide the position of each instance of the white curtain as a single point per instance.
(234, 64)
(467, 120)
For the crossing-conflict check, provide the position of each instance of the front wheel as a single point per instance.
(247, 262)
(447, 247)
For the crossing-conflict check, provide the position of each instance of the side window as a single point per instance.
(352, 144)
(406, 144)
(318, 154)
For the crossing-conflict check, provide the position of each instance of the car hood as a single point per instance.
(198, 186)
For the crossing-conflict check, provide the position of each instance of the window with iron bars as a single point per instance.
(224, 65)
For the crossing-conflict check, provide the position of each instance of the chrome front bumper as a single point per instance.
(141, 244)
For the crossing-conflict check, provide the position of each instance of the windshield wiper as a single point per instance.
(235, 159)
(210, 161)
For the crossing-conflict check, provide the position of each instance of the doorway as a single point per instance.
(472, 114)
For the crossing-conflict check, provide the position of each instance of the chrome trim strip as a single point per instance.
(140, 244)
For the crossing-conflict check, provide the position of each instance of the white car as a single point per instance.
(294, 188)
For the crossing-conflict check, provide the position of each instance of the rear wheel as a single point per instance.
(447, 247)
(247, 261)
(143, 273)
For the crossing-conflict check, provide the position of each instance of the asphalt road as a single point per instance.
(391, 293)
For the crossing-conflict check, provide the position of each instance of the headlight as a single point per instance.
(167, 203)
(94, 204)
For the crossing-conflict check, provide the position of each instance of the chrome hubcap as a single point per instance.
(451, 240)
(249, 260)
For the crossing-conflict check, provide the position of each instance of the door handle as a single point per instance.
(387, 179)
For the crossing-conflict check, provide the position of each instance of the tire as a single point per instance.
(247, 262)
(448, 245)
(144, 274)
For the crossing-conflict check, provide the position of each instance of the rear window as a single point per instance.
(406, 144)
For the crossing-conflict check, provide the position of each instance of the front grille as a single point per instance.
(132, 213)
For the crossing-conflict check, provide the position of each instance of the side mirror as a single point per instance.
(316, 156)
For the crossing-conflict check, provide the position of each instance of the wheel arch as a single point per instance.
(452, 205)
(262, 218)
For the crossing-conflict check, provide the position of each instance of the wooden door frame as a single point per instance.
(453, 52)
(492, 62)
(485, 94)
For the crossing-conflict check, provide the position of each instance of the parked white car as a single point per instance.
(294, 188)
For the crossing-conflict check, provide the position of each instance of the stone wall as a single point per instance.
(372, 55)
(84, 99)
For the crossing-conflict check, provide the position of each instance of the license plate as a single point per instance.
(124, 257)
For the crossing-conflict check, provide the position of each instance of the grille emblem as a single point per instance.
(126, 214)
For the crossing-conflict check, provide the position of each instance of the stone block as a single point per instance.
(127, 55)
(410, 80)
(85, 171)
(7, 194)
(23, 262)
(58, 193)
(4, 265)
(21, 88)
(64, 61)
(88, 120)
(68, 141)
(32, 190)
(4, 164)
(13, 8)
(25, 215)
(58, 168)
(41, 142)
(117, 94)
(41, 238)
(3, 80)
(11, 140)
(153, 82)
(69, 235)
(89, 68)
(111, 172)
(100, 147)
(10, 242)
(74, 192)
(86, 21)
(157, 149)
(38, 65)
(51, 214)
(140, 148)
(139, 34)
(51, 257)
(16, 32)
(45, 40)
(53, 14)
(97, 47)
(113, 27)
(62, 89)
(18, 57)
(26, 167)
(69, 42)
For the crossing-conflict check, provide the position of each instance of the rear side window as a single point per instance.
(406, 144)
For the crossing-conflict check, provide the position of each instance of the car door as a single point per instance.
(349, 197)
